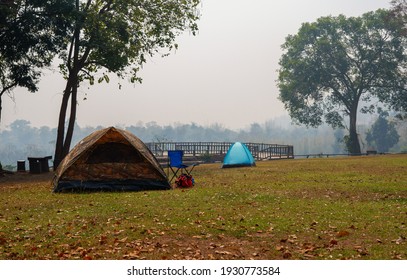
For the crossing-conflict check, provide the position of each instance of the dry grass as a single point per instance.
(325, 208)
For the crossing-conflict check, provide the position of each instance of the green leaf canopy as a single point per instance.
(331, 65)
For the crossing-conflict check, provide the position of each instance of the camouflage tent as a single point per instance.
(110, 159)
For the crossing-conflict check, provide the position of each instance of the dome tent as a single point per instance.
(110, 159)
(238, 155)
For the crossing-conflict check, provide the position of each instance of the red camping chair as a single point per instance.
(175, 164)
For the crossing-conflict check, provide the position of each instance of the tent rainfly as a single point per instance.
(110, 159)
(238, 155)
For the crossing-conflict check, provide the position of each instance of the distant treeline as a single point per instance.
(21, 140)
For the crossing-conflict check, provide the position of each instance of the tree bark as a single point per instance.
(1, 96)
(59, 155)
(72, 118)
(353, 145)
(5, 89)
(63, 142)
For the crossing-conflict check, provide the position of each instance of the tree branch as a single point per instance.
(7, 88)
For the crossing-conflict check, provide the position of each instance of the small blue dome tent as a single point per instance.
(238, 155)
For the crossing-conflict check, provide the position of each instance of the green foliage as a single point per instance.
(399, 12)
(349, 144)
(31, 32)
(383, 134)
(117, 36)
(333, 64)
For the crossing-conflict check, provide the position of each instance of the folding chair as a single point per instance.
(175, 164)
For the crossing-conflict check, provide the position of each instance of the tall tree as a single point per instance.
(399, 12)
(116, 36)
(31, 33)
(383, 134)
(335, 64)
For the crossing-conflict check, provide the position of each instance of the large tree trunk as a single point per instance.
(59, 155)
(72, 118)
(1, 96)
(63, 142)
(353, 144)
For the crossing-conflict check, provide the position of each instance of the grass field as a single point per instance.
(324, 208)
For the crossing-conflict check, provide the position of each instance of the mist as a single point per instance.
(21, 139)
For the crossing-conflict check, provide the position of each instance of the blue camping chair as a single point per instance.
(175, 164)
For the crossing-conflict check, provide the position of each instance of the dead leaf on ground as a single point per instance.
(3, 240)
(342, 233)
(399, 240)
(223, 253)
(333, 242)
(287, 255)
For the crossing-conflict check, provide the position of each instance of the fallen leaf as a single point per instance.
(3, 241)
(342, 233)
(103, 239)
(399, 240)
(223, 253)
(279, 248)
(361, 250)
(287, 255)
(123, 240)
(308, 256)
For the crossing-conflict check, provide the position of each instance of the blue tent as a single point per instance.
(238, 155)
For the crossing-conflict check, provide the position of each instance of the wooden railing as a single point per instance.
(260, 151)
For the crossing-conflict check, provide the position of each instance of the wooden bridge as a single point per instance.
(260, 151)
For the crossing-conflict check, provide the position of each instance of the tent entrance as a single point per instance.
(114, 152)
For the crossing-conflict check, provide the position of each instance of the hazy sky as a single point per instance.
(226, 74)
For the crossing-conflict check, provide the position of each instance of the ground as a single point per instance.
(347, 208)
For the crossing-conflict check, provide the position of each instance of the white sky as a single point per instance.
(226, 74)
